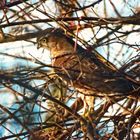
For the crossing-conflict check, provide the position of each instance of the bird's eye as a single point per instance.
(44, 40)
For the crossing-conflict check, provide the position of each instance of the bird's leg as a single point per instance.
(89, 108)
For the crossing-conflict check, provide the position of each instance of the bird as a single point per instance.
(88, 72)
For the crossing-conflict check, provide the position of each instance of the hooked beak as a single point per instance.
(38, 46)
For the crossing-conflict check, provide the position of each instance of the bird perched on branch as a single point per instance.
(87, 71)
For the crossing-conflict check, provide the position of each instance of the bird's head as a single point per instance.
(42, 42)
(56, 42)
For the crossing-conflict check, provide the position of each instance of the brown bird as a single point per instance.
(88, 72)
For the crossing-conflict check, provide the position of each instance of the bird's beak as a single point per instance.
(38, 46)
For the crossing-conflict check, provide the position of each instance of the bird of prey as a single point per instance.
(88, 72)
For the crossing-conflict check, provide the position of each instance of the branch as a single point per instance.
(4, 4)
(95, 21)
(27, 36)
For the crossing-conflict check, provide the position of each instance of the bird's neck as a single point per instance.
(61, 48)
